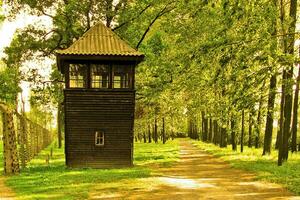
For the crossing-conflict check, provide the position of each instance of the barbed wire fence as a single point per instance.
(31, 138)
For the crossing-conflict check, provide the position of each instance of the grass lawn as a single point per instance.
(265, 167)
(55, 181)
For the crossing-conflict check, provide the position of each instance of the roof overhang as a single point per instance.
(62, 59)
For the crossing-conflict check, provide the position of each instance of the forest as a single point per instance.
(224, 72)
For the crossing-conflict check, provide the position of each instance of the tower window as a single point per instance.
(99, 138)
(121, 76)
(99, 76)
(77, 75)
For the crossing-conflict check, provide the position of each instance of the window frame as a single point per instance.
(91, 79)
(88, 81)
(85, 80)
(99, 134)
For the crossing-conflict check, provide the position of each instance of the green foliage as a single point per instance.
(9, 87)
(55, 181)
(264, 166)
(1, 14)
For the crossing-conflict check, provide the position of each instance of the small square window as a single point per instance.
(99, 138)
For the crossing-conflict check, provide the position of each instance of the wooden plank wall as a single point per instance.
(89, 110)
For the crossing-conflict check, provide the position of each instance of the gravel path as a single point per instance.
(5, 192)
(198, 175)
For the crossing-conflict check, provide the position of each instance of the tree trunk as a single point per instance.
(163, 131)
(280, 130)
(210, 132)
(145, 137)
(250, 131)
(288, 95)
(258, 123)
(295, 115)
(223, 142)
(205, 127)
(243, 130)
(216, 138)
(233, 134)
(155, 130)
(270, 116)
(10, 151)
(149, 134)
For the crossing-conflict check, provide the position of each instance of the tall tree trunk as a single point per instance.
(205, 127)
(145, 137)
(295, 114)
(149, 134)
(155, 130)
(288, 95)
(258, 123)
(210, 132)
(223, 141)
(250, 130)
(216, 139)
(163, 131)
(10, 151)
(280, 130)
(270, 116)
(233, 134)
(243, 131)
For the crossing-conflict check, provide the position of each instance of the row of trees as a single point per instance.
(223, 68)
(229, 70)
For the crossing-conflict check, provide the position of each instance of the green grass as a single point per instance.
(265, 167)
(55, 181)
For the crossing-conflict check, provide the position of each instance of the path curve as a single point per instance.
(197, 175)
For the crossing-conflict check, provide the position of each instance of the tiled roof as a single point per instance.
(102, 41)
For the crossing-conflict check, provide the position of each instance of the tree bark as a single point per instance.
(155, 130)
(10, 151)
(163, 131)
(233, 134)
(210, 132)
(288, 95)
(270, 116)
(205, 127)
(216, 138)
(145, 137)
(223, 142)
(250, 130)
(258, 123)
(295, 115)
(149, 134)
(243, 130)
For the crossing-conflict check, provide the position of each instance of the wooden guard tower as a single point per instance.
(99, 99)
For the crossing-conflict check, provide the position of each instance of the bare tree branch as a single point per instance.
(159, 14)
(133, 18)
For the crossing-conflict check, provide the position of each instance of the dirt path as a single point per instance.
(5, 192)
(198, 175)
